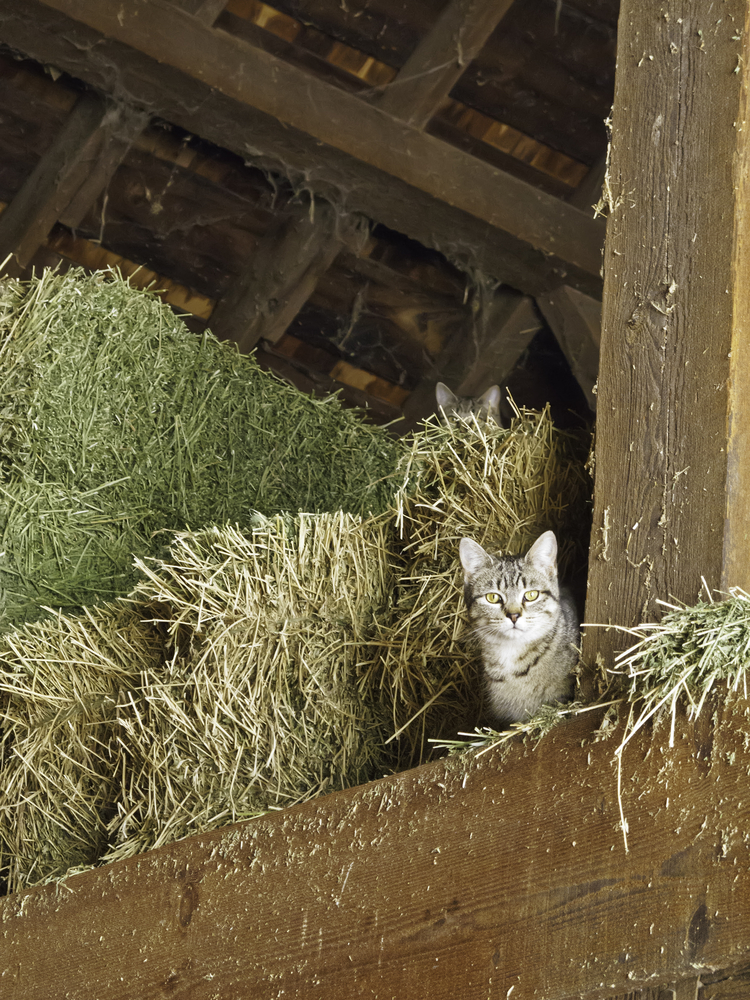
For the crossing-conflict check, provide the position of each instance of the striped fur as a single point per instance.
(527, 642)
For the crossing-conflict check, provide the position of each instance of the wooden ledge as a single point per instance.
(474, 877)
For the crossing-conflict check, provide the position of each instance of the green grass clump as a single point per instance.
(116, 423)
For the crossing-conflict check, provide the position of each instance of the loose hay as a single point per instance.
(117, 423)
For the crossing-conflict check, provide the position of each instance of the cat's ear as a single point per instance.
(491, 398)
(444, 396)
(543, 554)
(472, 555)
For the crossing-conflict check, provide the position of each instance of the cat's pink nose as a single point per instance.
(513, 615)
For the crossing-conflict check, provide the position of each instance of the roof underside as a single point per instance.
(373, 194)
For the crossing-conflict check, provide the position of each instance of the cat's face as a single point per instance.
(484, 407)
(513, 596)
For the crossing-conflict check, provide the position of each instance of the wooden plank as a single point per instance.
(480, 878)
(575, 320)
(55, 39)
(101, 158)
(56, 179)
(344, 122)
(280, 278)
(428, 75)
(673, 426)
(501, 335)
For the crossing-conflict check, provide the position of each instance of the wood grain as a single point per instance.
(53, 183)
(669, 509)
(280, 277)
(428, 75)
(462, 878)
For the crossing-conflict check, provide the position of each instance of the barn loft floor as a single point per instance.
(374, 195)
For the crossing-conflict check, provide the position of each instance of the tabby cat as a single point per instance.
(525, 625)
(484, 407)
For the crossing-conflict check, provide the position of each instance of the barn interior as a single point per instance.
(344, 269)
(372, 196)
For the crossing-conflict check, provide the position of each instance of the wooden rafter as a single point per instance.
(280, 277)
(576, 319)
(531, 219)
(477, 878)
(427, 77)
(481, 352)
(68, 178)
(502, 334)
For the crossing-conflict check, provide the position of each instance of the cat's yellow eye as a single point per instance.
(531, 595)
(492, 598)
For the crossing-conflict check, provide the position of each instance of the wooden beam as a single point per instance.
(589, 191)
(206, 11)
(51, 38)
(482, 352)
(576, 319)
(343, 121)
(501, 335)
(429, 74)
(57, 179)
(673, 425)
(280, 278)
(477, 877)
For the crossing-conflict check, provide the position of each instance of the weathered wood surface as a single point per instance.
(52, 38)
(575, 319)
(474, 878)
(52, 184)
(341, 120)
(501, 335)
(673, 427)
(280, 277)
(428, 75)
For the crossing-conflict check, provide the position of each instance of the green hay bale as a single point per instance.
(116, 423)
(502, 487)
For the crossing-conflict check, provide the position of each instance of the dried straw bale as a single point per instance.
(117, 422)
(59, 687)
(262, 702)
(502, 488)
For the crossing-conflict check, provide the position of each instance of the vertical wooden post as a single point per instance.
(672, 496)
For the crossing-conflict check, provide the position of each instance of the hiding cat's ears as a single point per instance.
(444, 396)
(543, 553)
(491, 398)
(473, 556)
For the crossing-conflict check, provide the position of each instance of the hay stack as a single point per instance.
(234, 684)
(60, 684)
(262, 702)
(259, 664)
(117, 423)
(502, 488)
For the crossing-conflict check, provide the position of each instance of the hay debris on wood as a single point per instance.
(117, 423)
